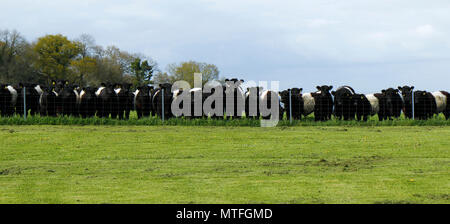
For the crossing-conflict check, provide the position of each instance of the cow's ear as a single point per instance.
(399, 88)
(226, 80)
(242, 80)
(330, 88)
(412, 87)
(300, 90)
(318, 87)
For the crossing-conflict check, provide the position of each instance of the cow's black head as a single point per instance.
(392, 99)
(419, 96)
(343, 97)
(324, 90)
(60, 84)
(117, 86)
(406, 93)
(3, 89)
(144, 90)
(29, 88)
(358, 99)
(296, 91)
(89, 90)
(284, 95)
(167, 87)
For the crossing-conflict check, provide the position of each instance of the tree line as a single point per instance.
(82, 61)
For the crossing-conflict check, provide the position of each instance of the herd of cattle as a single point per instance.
(117, 100)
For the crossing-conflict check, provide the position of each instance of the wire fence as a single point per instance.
(115, 104)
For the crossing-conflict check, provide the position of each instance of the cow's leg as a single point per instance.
(139, 113)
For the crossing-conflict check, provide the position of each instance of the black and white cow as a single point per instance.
(374, 100)
(106, 101)
(323, 108)
(343, 103)
(125, 100)
(143, 101)
(48, 101)
(391, 104)
(424, 103)
(309, 103)
(406, 92)
(5, 99)
(428, 102)
(88, 102)
(363, 106)
(67, 98)
(158, 100)
(77, 90)
(296, 100)
(31, 98)
(252, 102)
(442, 99)
(8, 100)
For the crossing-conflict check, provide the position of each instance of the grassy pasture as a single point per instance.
(182, 164)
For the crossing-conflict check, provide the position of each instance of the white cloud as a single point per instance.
(425, 30)
(316, 23)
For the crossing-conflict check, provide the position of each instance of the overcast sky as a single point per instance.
(370, 45)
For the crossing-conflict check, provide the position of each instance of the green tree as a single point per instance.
(142, 71)
(83, 68)
(185, 71)
(85, 65)
(162, 77)
(16, 58)
(55, 55)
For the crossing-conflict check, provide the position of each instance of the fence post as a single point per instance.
(290, 106)
(162, 103)
(412, 104)
(24, 103)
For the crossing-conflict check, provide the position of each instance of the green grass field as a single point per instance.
(169, 164)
